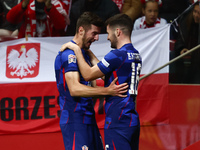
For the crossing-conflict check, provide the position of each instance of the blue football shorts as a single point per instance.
(123, 138)
(81, 136)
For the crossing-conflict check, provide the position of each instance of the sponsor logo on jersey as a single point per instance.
(133, 56)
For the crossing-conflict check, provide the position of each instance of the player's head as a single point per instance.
(196, 12)
(89, 26)
(117, 24)
(150, 10)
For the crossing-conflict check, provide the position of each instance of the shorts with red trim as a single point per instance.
(122, 138)
(81, 136)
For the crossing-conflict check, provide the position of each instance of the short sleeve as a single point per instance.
(69, 61)
(110, 62)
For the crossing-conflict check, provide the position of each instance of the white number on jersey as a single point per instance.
(136, 68)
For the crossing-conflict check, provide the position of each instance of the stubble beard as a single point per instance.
(114, 41)
(84, 42)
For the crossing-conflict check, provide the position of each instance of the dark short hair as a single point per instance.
(87, 19)
(121, 21)
(145, 4)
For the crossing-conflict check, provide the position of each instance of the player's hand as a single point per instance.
(69, 45)
(25, 3)
(118, 90)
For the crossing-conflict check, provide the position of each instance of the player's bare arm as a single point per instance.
(78, 89)
(93, 59)
(88, 73)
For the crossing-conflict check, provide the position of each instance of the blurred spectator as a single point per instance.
(133, 8)
(150, 19)
(103, 8)
(188, 68)
(171, 9)
(6, 28)
(41, 18)
(193, 1)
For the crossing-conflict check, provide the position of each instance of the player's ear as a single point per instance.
(81, 31)
(117, 32)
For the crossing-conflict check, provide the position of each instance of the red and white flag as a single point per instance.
(28, 92)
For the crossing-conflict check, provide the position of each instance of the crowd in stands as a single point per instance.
(6, 28)
(39, 19)
(150, 19)
(187, 69)
(42, 18)
(103, 8)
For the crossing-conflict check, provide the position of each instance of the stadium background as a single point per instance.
(29, 111)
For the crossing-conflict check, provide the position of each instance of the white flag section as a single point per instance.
(153, 45)
(33, 60)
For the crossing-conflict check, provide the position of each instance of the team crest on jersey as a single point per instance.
(71, 58)
(84, 147)
(22, 60)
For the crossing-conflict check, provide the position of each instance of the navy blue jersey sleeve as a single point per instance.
(111, 61)
(69, 61)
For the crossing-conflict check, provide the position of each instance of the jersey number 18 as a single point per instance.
(136, 68)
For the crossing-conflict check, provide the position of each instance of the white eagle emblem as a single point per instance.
(21, 64)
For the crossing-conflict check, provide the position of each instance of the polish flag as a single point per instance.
(29, 96)
(152, 100)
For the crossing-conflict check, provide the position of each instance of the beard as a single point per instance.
(113, 41)
(85, 44)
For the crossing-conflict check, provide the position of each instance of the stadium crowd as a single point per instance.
(35, 15)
